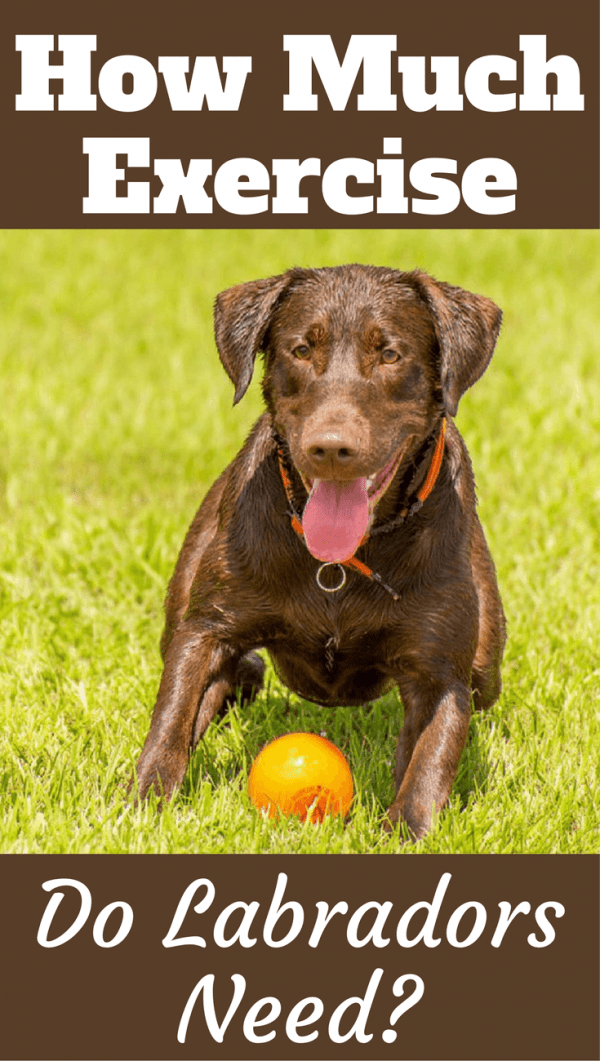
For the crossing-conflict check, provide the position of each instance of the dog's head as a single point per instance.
(361, 364)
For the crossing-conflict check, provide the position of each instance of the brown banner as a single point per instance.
(300, 957)
(499, 959)
(436, 117)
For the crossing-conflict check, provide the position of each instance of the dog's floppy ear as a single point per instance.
(467, 327)
(242, 317)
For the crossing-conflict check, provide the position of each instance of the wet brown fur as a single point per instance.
(361, 363)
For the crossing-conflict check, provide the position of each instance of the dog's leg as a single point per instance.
(436, 724)
(247, 683)
(486, 679)
(218, 698)
(223, 693)
(199, 672)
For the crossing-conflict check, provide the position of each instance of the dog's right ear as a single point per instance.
(242, 317)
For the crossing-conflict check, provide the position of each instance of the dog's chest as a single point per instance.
(329, 672)
(325, 651)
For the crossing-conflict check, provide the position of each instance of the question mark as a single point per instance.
(389, 1035)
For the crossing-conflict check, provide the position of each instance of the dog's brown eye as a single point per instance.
(301, 352)
(390, 356)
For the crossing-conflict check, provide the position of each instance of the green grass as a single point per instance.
(116, 418)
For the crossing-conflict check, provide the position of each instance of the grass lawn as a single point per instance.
(116, 418)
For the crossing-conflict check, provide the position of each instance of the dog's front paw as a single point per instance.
(161, 773)
(412, 824)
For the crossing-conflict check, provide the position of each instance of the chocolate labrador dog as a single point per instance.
(343, 538)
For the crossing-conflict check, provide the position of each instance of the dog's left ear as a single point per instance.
(242, 317)
(467, 327)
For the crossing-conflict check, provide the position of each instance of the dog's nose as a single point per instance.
(331, 448)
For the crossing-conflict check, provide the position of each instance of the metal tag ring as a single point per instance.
(330, 589)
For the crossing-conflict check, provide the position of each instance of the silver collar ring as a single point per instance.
(330, 589)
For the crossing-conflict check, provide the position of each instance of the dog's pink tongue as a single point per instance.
(335, 519)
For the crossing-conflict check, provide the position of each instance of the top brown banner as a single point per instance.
(322, 114)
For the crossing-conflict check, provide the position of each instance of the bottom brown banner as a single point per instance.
(243, 957)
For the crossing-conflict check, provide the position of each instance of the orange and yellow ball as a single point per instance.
(301, 774)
